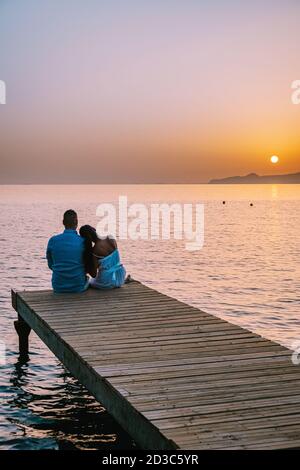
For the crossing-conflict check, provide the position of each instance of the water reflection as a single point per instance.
(58, 416)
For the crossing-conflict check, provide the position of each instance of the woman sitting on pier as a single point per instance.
(102, 260)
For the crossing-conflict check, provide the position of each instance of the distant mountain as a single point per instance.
(253, 178)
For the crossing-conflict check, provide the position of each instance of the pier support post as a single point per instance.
(23, 330)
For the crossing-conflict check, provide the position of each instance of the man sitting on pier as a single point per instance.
(65, 257)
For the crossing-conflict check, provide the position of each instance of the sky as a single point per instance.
(127, 91)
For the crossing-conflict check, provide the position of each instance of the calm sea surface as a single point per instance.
(247, 272)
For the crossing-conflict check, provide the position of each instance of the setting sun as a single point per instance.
(274, 159)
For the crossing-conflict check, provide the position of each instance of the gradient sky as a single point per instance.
(148, 91)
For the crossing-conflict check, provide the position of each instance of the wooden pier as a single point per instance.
(171, 375)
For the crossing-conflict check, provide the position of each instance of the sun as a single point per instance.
(274, 159)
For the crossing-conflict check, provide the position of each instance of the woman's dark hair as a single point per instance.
(90, 236)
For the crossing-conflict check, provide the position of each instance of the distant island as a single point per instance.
(253, 178)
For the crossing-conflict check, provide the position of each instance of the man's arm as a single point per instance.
(49, 254)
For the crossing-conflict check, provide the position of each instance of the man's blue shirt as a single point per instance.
(65, 259)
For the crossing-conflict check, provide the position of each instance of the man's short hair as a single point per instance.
(70, 218)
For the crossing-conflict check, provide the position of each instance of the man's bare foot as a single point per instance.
(128, 279)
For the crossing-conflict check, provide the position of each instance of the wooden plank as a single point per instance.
(117, 355)
(93, 348)
(208, 370)
(97, 324)
(218, 361)
(176, 385)
(228, 417)
(169, 405)
(162, 334)
(180, 340)
(240, 424)
(207, 408)
(213, 388)
(201, 346)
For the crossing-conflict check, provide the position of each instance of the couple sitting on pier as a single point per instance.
(71, 256)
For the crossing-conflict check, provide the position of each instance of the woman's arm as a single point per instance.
(93, 267)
